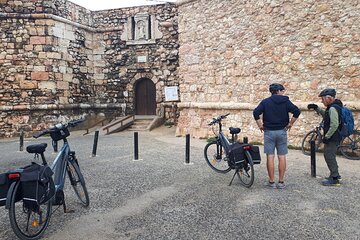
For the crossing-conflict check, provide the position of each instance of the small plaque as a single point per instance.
(141, 59)
(171, 93)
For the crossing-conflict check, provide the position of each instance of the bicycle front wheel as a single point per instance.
(215, 156)
(246, 174)
(350, 146)
(28, 223)
(310, 136)
(77, 182)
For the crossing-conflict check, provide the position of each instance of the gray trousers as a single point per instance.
(330, 158)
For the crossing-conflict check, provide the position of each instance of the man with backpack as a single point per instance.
(332, 116)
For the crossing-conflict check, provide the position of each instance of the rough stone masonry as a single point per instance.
(60, 61)
(230, 51)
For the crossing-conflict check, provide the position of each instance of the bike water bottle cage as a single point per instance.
(36, 148)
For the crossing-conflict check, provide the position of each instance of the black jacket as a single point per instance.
(337, 104)
(275, 110)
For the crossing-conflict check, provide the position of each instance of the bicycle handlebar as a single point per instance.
(57, 127)
(218, 120)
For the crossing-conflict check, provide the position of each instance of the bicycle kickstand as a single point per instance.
(65, 208)
(236, 172)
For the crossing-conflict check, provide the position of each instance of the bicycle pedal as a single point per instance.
(70, 211)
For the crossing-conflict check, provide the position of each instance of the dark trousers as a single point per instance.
(330, 158)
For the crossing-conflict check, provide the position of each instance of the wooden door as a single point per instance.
(145, 94)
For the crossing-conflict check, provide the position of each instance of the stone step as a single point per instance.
(140, 124)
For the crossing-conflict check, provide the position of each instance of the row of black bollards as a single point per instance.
(187, 148)
(136, 148)
(96, 139)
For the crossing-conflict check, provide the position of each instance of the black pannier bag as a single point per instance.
(255, 154)
(4, 187)
(236, 155)
(59, 134)
(37, 185)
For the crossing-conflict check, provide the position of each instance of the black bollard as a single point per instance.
(187, 149)
(55, 146)
(21, 140)
(96, 138)
(136, 146)
(313, 158)
(245, 140)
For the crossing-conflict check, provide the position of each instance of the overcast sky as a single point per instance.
(109, 4)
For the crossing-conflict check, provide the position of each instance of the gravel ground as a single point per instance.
(160, 197)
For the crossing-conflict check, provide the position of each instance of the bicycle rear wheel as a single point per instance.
(310, 136)
(27, 223)
(246, 174)
(78, 182)
(215, 157)
(350, 146)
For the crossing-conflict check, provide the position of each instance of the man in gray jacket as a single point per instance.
(332, 117)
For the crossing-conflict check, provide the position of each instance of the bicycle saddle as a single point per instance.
(234, 130)
(36, 148)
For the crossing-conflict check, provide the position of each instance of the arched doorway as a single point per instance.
(145, 97)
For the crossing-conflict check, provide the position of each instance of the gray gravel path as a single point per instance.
(160, 197)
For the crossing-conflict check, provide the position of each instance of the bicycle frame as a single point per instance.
(59, 166)
(223, 141)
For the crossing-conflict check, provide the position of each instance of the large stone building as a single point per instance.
(230, 51)
(59, 61)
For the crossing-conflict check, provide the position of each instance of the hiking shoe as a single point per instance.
(281, 185)
(270, 185)
(331, 182)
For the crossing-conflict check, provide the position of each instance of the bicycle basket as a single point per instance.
(4, 187)
(37, 185)
(59, 134)
(236, 155)
(255, 154)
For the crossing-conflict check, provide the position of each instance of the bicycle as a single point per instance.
(28, 223)
(314, 135)
(349, 146)
(222, 156)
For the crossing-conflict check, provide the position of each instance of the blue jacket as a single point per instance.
(275, 111)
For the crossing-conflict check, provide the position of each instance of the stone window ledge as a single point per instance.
(354, 106)
(140, 42)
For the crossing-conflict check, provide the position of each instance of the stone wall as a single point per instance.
(60, 61)
(230, 51)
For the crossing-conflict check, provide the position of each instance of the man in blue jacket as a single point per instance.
(275, 123)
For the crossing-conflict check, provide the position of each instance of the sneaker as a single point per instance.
(270, 185)
(331, 182)
(281, 185)
(338, 178)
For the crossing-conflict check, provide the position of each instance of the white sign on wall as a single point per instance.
(171, 93)
(141, 59)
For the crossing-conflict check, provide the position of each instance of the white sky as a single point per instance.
(110, 4)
